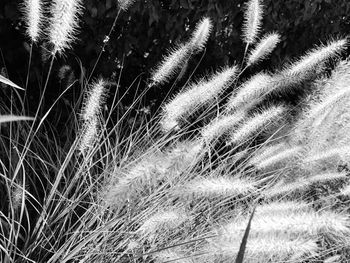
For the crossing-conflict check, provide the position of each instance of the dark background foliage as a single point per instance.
(145, 32)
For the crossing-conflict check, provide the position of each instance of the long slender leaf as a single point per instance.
(242, 248)
(9, 82)
(9, 118)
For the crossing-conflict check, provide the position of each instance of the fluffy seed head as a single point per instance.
(171, 64)
(280, 158)
(33, 17)
(94, 100)
(256, 124)
(216, 187)
(201, 34)
(125, 4)
(264, 48)
(197, 95)
(221, 126)
(265, 249)
(252, 21)
(89, 135)
(317, 56)
(63, 24)
(164, 220)
(250, 92)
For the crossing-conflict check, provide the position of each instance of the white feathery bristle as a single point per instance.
(282, 207)
(279, 158)
(89, 135)
(345, 191)
(267, 151)
(201, 34)
(220, 126)
(94, 100)
(334, 155)
(264, 48)
(250, 92)
(252, 21)
(201, 94)
(171, 64)
(33, 12)
(286, 188)
(163, 221)
(64, 23)
(265, 249)
(125, 4)
(216, 187)
(256, 124)
(302, 222)
(324, 177)
(317, 56)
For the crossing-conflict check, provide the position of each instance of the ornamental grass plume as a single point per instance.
(302, 223)
(125, 4)
(201, 34)
(280, 159)
(317, 56)
(256, 124)
(89, 135)
(265, 249)
(252, 21)
(178, 56)
(264, 48)
(216, 187)
(196, 96)
(33, 18)
(94, 100)
(250, 92)
(221, 126)
(163, 221)
(63, 24)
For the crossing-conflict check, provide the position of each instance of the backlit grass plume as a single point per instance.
(216, 187)
(317, 56)
(221, 126)
(201, 34)
(178, 56)
(197, 95)
(125, 4)
(250, 92)
(252, 21)
(33, 18)
(63, 24)
(256, 124)
(264, 48)
(94, 100)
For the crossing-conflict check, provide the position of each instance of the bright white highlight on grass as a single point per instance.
(264, 48)
(64, 24)
(33, 12)
(252, 21)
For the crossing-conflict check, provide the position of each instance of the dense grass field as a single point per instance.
(240, 165)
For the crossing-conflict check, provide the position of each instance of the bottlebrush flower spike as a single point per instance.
(316, 56)
(201, 34)
(33, 17)
(256, 124)
(89, 135)
(250, 92)
(200, 94)
(264, 48)
(63, 24)
(179, 56)
(94, 100)
(252, 21)
(171, 64)
(125, 4)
